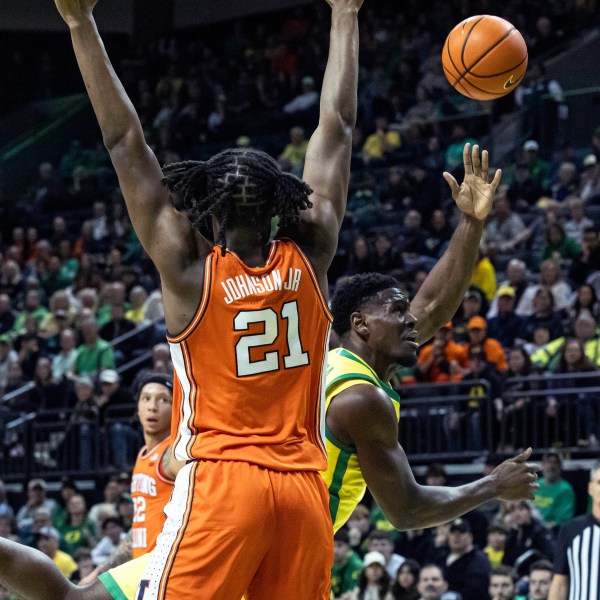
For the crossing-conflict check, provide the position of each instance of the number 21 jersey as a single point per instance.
(250, 366)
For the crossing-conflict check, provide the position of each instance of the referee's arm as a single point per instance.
(559, 588)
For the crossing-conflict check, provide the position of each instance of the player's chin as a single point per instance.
(407, 358)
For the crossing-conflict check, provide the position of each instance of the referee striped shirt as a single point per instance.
(578, 557)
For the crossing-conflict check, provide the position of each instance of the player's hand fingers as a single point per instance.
(484, 165)
(467, 159)
(523, 456)
(454, 187)
(496, 181)
(476, 161)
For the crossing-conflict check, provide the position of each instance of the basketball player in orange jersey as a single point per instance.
(249, 326)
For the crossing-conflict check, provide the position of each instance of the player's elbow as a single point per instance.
(123, 141)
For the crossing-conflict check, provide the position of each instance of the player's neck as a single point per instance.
(153, 439)
(249, 245)
(384, 366)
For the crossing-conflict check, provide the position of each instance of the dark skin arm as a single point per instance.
(33, 576)
(364, 417)
(327, 163)
(442, 292)
(168, 237)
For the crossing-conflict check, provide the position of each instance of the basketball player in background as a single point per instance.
(246, 317)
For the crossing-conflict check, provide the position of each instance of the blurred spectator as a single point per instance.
(112, 536)
(304, 101)
(507, 326)
(589, 261)
(544, 315)
(7, 314)
(125, 509)
(503, 229)
(516, 278)
(137, 298)
(46, 395)
(292, 157)
(76, 530)
(48, 541)
(472, 306)
(63, 363)
(379, 146)
(443, 359)
(95, 353)
(585, 301)
(454, 152)
(467, 568)
(502, 583)
(496, 542)
(433, 585)
(85, 566)
(550, 277)
(67, 491)
(386, 257)
(524, 192)
(540, 576)
(404, 585)
(491, 348)
(8, 357)
(118, 324)
(484, 275)
(381, 542)
(438, 234)
(555, 499)
(538, 167)
(36, 498)
(106, 508)
(526, 533)
(375, 582)
(577, 542)
(590, 180)
(5, 508)
(567, 182)
(347, 566)
(6, 529)
(578, 222)
(32, 309)
(559, 246)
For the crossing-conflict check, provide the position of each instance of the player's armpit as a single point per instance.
(170, 466)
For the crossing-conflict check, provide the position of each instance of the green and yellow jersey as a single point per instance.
(343, 477)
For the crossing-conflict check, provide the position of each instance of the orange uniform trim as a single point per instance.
(162, 589)
(187, 359)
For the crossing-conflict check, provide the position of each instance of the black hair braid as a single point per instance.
(237, 182)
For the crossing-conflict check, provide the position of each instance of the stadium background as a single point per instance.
(203, 79)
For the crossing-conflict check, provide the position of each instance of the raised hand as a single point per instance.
(475, 196)
(74, 11)
(515, 478)
(337, 4)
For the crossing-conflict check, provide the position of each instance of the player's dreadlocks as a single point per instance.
(353, 293)
(238, 184)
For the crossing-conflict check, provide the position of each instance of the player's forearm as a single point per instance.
(31, 574)
(338, 95)
(443, 290)
(436, 505)
(559, 588)
(115, 112)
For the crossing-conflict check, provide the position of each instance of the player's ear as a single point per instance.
(358, 322)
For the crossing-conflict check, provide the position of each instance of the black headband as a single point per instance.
(165, 380)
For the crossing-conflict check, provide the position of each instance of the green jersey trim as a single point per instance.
(336, 483)
(112, 587)
(340, 445)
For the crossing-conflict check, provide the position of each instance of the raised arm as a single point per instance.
(442, 292)
(327, 163)
(364, 417)
(165, 233)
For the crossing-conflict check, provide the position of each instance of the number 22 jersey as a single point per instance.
(249, 367)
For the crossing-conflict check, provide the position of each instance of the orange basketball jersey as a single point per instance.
(249, 368)
(150, 491)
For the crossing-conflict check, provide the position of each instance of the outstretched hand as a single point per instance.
(515, 478)
(341, 4)
(475, 196)
(73, 11)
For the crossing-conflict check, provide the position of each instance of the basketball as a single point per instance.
(484, 57)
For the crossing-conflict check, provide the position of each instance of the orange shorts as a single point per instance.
(234, 529)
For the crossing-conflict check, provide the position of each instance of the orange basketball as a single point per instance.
(484, 57)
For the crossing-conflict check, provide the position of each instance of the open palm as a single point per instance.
(475, 196)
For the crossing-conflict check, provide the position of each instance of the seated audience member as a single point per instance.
(36, 498)
(381, 144)
(48, 542)
(467, 567)
(540, 578)
(524, 192)
(543, 315)
(359, 525)
(559, 246)
(374, 581)
(525, 533)
(478, 338)
(112, 536)
(549, 277)
(502, 583)
(386, 257)
(566, 183)
(588, 262)
(472, 306)
(137, 298)
(585, 300)
(578, 223)
(577, 414)
(484, 276)
(443, 359)
(496, 542)
(516, 278)
(503, 231)
(85, 566)
(7, 314)
(347, 565)
(433, 585)
(95, 353)
(555, 498)
(292, 157)
(590, 180)
(404, 586)
(506, 326)
(381, 541)
(304, 101)
(411, 240)
(439, 234)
